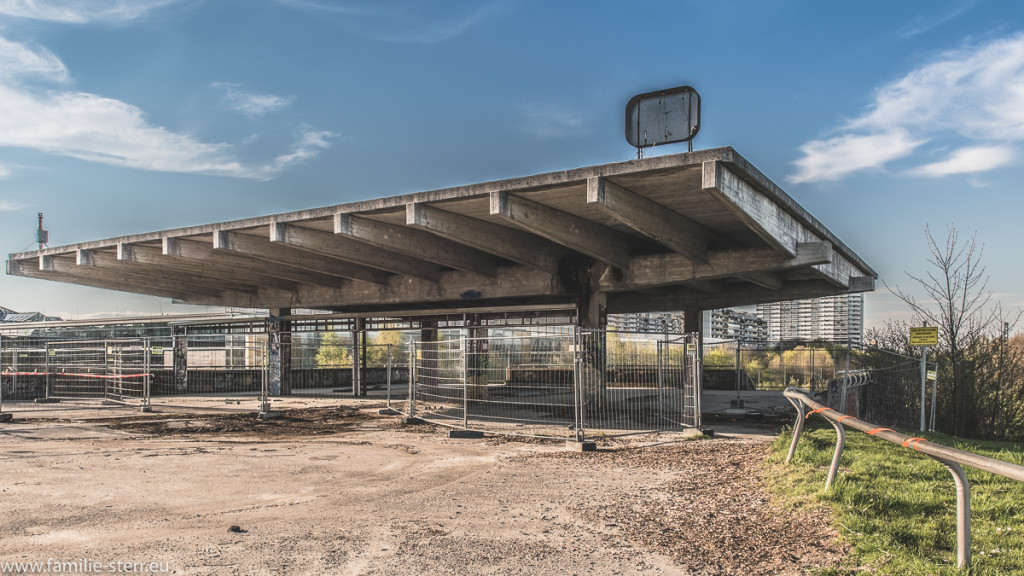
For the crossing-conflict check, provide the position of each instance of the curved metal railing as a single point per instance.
(952, 458)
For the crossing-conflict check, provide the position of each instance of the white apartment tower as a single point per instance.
(832, 319)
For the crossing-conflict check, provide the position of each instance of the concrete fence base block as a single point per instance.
(465, 434)
(268, 415)
(577, 446)
(46, 401)
(145, 408)
(6, 417)
(709, 432)
(388, 412)
(413, 421)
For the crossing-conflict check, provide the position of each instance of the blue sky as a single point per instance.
(881, 118)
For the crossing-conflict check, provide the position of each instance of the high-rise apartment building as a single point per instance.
(832, 319)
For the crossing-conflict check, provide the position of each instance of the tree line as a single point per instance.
(980, 355)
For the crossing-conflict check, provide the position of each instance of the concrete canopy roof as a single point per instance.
(699, 230)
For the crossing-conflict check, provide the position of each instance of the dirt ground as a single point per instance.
(345, 491)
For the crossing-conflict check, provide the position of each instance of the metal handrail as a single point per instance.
(951, 458)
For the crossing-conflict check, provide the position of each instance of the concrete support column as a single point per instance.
(427, 354)
(179, 359)
(693, 323)
(592, 318)
(279, 353)
(476, 350)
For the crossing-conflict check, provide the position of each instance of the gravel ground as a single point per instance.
(347, 492)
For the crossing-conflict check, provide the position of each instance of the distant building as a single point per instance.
(731, 324)
(649, 322)
(832, 319)
(10, 316)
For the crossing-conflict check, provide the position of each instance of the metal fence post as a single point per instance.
(577, 383)
(3, 417)
(661, 346)
(146, 364)
(465, 383)
(388, 377)
(412, 379)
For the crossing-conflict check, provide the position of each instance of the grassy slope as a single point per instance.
(897, 509)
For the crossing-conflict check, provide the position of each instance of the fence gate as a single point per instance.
(117, 370)
(439, 383)
(679, 374)
(558, 385)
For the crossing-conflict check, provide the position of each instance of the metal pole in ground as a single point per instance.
(146, 360)
(388, 377)
(935, 386)
(924, 390)
(3, 417)
(412, 378)
(465, 384)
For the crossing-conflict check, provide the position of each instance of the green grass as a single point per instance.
(897, 509)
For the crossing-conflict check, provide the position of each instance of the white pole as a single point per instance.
(924, 376)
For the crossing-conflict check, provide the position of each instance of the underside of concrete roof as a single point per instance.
(692, 231)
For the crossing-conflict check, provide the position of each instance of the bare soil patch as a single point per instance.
(298, 422)
(345, 491)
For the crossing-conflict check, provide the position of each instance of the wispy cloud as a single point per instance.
(404, 22)
(309, 144)
(98, 129)
(252, 104)
(935, 17)
(552, 121)
(969, 160)
(837, 157)
(21, 60)
(974, 93)
(10, 206)
(81, 11)
(107, 131)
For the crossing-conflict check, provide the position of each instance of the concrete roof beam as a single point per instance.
(595, 240)
(504, 242)
(673, 230)
(264, 250)
(417, 244)
(345, 248)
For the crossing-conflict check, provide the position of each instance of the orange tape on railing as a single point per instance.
(816, 411)
(913, 442)
(874, 431)
(840, 419)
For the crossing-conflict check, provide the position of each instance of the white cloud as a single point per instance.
(20, 60)
(80, 11)
(552, 121)
(403, 22)
(10, 206)
(974, 93)
(307, 147)
(837, 157)
(93, 128)
(969, 160)
(4, 172)
(98, 129)
(252, 104)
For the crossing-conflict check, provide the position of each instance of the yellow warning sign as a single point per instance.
(924, 336)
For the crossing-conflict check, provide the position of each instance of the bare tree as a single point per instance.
(957, 297)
